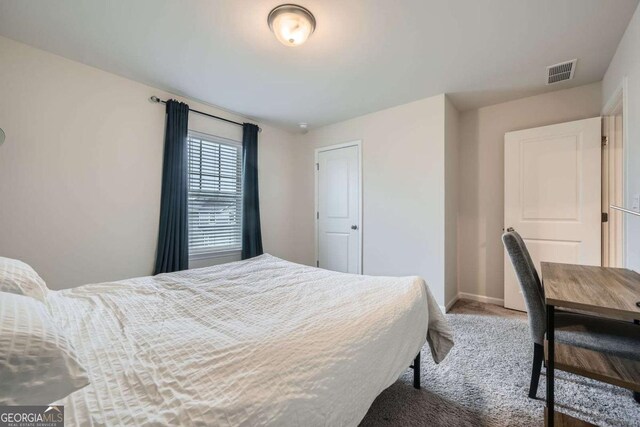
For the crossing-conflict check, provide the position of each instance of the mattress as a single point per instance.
(257, 342)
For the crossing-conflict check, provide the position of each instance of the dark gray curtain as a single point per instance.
(251, 233)
(173, 238)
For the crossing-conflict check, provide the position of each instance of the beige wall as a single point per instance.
(80, 175)
(481, 178)
(81, 167)
(452, 123)
(403, 154)
(626, 64)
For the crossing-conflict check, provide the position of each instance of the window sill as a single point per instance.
(217, 254)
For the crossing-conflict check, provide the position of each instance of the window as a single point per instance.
(215, 195)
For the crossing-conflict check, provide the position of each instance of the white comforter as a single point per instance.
(255, 342)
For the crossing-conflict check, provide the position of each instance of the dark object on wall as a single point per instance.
(202, 113)
(251, 232)
(173, 236)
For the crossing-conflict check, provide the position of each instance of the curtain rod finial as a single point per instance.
(154, 99)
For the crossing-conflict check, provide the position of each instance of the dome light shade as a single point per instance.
(291, 24)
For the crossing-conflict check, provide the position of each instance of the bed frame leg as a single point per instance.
(416, 372)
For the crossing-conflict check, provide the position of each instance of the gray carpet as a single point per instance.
(485, 379)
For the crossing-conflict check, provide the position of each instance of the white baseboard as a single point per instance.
(450, 303)
(473, 297)
(446, 308)
(481, 298)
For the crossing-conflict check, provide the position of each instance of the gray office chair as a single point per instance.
(604, 335)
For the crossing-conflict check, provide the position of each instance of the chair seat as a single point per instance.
(613, 337)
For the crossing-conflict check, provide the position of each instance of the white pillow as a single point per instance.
(19, 278)
(37, 363)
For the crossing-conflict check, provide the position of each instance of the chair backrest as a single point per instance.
(529, 283)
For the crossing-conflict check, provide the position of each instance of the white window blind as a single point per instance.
(215, 195)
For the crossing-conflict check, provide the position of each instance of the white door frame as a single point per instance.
(358, 144)
(618, 97)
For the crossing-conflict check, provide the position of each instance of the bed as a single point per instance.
(255, 342)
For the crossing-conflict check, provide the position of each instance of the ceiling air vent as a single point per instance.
(561, 72)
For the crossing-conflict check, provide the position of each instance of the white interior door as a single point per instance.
(552, 196)
(338, 208)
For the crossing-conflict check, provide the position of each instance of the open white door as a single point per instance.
(338, 208)
(552, 196)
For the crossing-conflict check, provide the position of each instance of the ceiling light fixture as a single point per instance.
(292, 24)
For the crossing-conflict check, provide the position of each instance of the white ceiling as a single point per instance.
(365, 55)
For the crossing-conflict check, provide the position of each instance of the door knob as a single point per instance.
(354, 227)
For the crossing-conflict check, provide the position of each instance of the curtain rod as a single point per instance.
(160, 101)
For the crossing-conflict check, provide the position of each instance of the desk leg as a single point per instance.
(636, 394)
(550, 364)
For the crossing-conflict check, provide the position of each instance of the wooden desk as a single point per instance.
(609, 292)
(612, 292)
